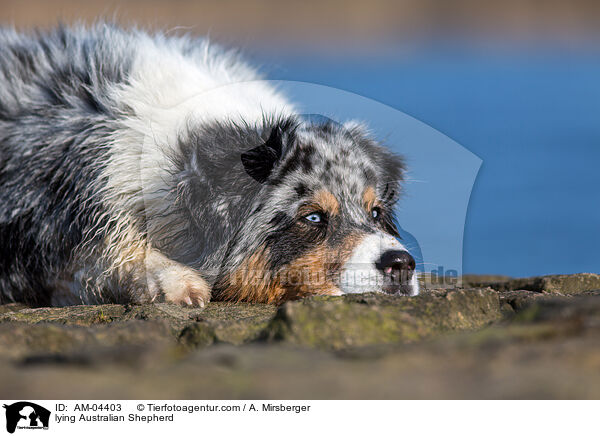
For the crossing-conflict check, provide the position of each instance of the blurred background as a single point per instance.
(516, 82)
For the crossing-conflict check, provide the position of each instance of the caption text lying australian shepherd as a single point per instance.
(138, 168)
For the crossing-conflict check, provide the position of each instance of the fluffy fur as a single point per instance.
(138, 167)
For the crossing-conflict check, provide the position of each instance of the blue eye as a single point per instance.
(314, 217)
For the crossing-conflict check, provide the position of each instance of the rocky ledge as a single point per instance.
(494, 338)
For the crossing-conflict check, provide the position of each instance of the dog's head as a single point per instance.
(323, 219)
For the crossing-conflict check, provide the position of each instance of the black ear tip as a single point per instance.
(246, 157)
(276, 132)
(258, 162)
(275, 141)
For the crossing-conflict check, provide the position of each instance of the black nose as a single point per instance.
(397, 267)
(395, 260)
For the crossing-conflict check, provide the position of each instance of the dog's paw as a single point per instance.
(183, 286)
(176, 283)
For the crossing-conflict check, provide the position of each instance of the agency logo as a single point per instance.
(26, 415)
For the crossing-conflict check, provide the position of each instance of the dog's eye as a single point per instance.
(315, 218)
(376, 213)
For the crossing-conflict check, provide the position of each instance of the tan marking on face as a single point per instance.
(314, 273)
(369, 198)
(349, 244)
(252, 281)
(327, 202)
(307, 275)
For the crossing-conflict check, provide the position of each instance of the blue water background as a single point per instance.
(534, 120)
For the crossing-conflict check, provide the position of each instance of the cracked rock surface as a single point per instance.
(502, 338)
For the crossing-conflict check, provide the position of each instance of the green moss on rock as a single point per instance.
(18, 340)
(11, 307)
(368, 319)
(228, 323)
(71, 315)
(547, 348)
(197, 335)
(555, 284)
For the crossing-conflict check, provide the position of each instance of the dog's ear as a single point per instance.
(260, 161)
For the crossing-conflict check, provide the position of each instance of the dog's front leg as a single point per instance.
(175, 282)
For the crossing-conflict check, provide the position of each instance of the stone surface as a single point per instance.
(368, 319)
(465, 343)
(556, 284)
(20, 341)
(483, 280)
(73, 315)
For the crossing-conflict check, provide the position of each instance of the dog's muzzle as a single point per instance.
(398, 268)
(380, 263)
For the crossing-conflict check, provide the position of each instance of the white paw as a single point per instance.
(184, 286)
(176, 283)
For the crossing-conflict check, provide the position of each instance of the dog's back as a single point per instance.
(55, 116)
(82, 112)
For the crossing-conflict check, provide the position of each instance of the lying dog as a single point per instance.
(137, 168)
